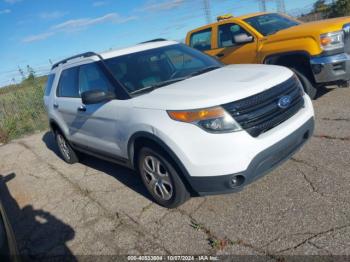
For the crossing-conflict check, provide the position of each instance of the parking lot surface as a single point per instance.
(96, 207)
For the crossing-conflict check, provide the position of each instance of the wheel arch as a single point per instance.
(299, 60)
(140, 139)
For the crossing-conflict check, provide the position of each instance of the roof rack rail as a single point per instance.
(86, 54)
(154, 40)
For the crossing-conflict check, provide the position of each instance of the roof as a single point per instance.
(116, 52)
(136, 48)
(242, 17)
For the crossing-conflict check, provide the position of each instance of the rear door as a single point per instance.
(203, 40)
(66, 102)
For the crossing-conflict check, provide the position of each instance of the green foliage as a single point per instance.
(320, 6)
(22, 109)
(339, 8)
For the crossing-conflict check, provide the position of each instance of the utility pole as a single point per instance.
(281, 6)
(207, 10)
(262, 5)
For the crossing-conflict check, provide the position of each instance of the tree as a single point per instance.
(339, 8)
(31, 73)
(21, 72)
(320, 6)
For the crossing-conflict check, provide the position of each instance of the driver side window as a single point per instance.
(227, 34)
(91, 77)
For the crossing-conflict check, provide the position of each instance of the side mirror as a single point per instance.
(96, 96)
(242, 38)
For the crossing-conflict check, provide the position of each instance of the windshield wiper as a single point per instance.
(204, 70)
(160, 84)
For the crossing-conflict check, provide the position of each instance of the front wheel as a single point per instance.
(161, 179)
(309, 87)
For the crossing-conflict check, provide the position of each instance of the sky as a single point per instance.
(38, 32)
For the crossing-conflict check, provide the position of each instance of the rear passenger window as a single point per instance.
(201, 40)
(68, 84)
(91, 77)
(49, 84)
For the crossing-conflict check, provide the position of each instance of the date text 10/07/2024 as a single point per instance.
(172, 258)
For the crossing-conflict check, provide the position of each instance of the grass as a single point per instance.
(22, 109)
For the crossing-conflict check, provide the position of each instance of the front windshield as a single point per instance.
(138, 71)
(270, 23)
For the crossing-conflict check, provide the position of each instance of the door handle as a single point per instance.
(82, 108)
(220, 55)
(55, 105)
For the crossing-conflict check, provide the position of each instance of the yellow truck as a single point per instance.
(318, 52)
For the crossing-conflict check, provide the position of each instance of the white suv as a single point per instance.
(186, 123)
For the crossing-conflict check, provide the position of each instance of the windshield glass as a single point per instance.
(270, 23)
(159, 66)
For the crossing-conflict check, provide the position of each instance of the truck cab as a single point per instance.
(318, 52)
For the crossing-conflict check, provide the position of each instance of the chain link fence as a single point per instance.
(22, 109)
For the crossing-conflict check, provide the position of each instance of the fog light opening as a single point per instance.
(237, 181)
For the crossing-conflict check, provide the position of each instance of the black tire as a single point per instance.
(65, 149)
(308, 84)
(179, 193)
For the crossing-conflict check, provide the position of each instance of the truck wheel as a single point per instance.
(161, 179)
(65, 149)
(309, 88)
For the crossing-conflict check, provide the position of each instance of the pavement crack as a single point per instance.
(332, 137)
(313, 236)
(36, 177)
(300, 161)
(319, 248)
(309, 182)
(336, 119)
(87, 193)
(199, 206)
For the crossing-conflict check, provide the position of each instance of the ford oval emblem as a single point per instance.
(284, 102)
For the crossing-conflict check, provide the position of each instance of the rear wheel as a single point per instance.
(65, 149)
(308, 84)
(161, 179)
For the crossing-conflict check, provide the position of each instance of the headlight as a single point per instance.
(214, 119)
(332, 41)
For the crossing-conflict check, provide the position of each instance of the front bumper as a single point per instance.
(334, 68)
(263, 163)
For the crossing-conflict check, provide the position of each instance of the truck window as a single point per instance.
(227, 33)
(68, 85)
(201, 40)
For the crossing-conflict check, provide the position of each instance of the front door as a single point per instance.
(100, 124)
(229, 50)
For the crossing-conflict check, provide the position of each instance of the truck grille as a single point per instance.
(262, 112)
(346, 29)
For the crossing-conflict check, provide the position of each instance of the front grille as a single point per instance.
(260, 113)
(346, 29)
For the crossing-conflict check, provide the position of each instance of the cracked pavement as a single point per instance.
(99, 208)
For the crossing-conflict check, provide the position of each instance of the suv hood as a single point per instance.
(312, 28)
(223, 85)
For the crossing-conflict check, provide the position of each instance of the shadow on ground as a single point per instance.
(124, 175)
(39, 234)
